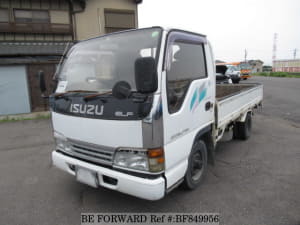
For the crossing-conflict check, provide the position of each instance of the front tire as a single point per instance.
(235, 81)
(197, 166)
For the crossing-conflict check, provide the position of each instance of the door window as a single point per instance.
(186, 63)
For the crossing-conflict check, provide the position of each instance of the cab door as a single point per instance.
(188, 94)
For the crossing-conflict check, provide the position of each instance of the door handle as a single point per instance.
(208, 105)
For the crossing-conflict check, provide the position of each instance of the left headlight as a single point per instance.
(144, 160)
(62, 142)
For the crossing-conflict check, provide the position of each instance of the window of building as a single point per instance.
(4, 15)
(31, 16)
(59, 17)
(118, 20)
(186, 63)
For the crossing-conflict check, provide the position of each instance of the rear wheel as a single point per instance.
(197, 165)
(242, 130)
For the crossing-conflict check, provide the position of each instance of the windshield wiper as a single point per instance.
(96, 95)
(58, 95)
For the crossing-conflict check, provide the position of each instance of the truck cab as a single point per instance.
(137, 112)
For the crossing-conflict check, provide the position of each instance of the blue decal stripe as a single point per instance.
(194, 98)
(202, 95)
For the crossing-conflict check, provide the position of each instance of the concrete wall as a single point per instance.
(91, 22)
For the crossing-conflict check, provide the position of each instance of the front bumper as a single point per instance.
(245, 76)
(150, 189)
(235, 77)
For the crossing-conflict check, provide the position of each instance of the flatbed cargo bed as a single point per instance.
(233, 101)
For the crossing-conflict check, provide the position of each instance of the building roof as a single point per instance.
(29, 60)
(33, 48)
(254, 61)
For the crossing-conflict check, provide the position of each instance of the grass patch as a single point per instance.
(22, 118)
(276, 74)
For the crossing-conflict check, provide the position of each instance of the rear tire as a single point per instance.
(197, 166)
(242, 130)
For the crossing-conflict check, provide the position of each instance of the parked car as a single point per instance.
(221, 76)
(234, 73)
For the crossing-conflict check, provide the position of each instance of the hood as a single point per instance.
(110, 133)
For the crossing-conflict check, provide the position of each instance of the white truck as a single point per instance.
(139, 111)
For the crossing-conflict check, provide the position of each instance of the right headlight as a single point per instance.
(147, 160)
(62, 142)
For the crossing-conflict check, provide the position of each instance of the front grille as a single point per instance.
(94, 153)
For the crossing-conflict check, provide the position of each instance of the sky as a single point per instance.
(232, 25)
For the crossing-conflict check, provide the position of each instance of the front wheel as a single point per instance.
(235, 81)
(197, 165)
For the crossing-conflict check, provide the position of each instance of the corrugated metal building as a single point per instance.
(289, 65)
(34, 35)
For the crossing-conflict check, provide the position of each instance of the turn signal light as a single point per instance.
(153, 153)
(156, 159)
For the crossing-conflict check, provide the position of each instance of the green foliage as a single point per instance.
(15, 119)
(276, 74)
(264, 74)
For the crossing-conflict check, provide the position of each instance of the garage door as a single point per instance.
(14, 98)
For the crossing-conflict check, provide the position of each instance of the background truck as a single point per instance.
(243, 67)
(140, 112)
(228, 71)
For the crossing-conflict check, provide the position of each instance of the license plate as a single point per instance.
(86, 176)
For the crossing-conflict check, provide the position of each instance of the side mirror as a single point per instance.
(145, 75)
(41, 77)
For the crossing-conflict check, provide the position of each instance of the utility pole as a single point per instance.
(274, 50)
(275, 46)
(246, 53)
(295, 53)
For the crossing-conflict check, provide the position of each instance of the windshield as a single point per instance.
(232, 68)
(98, 64)
(245, 66)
